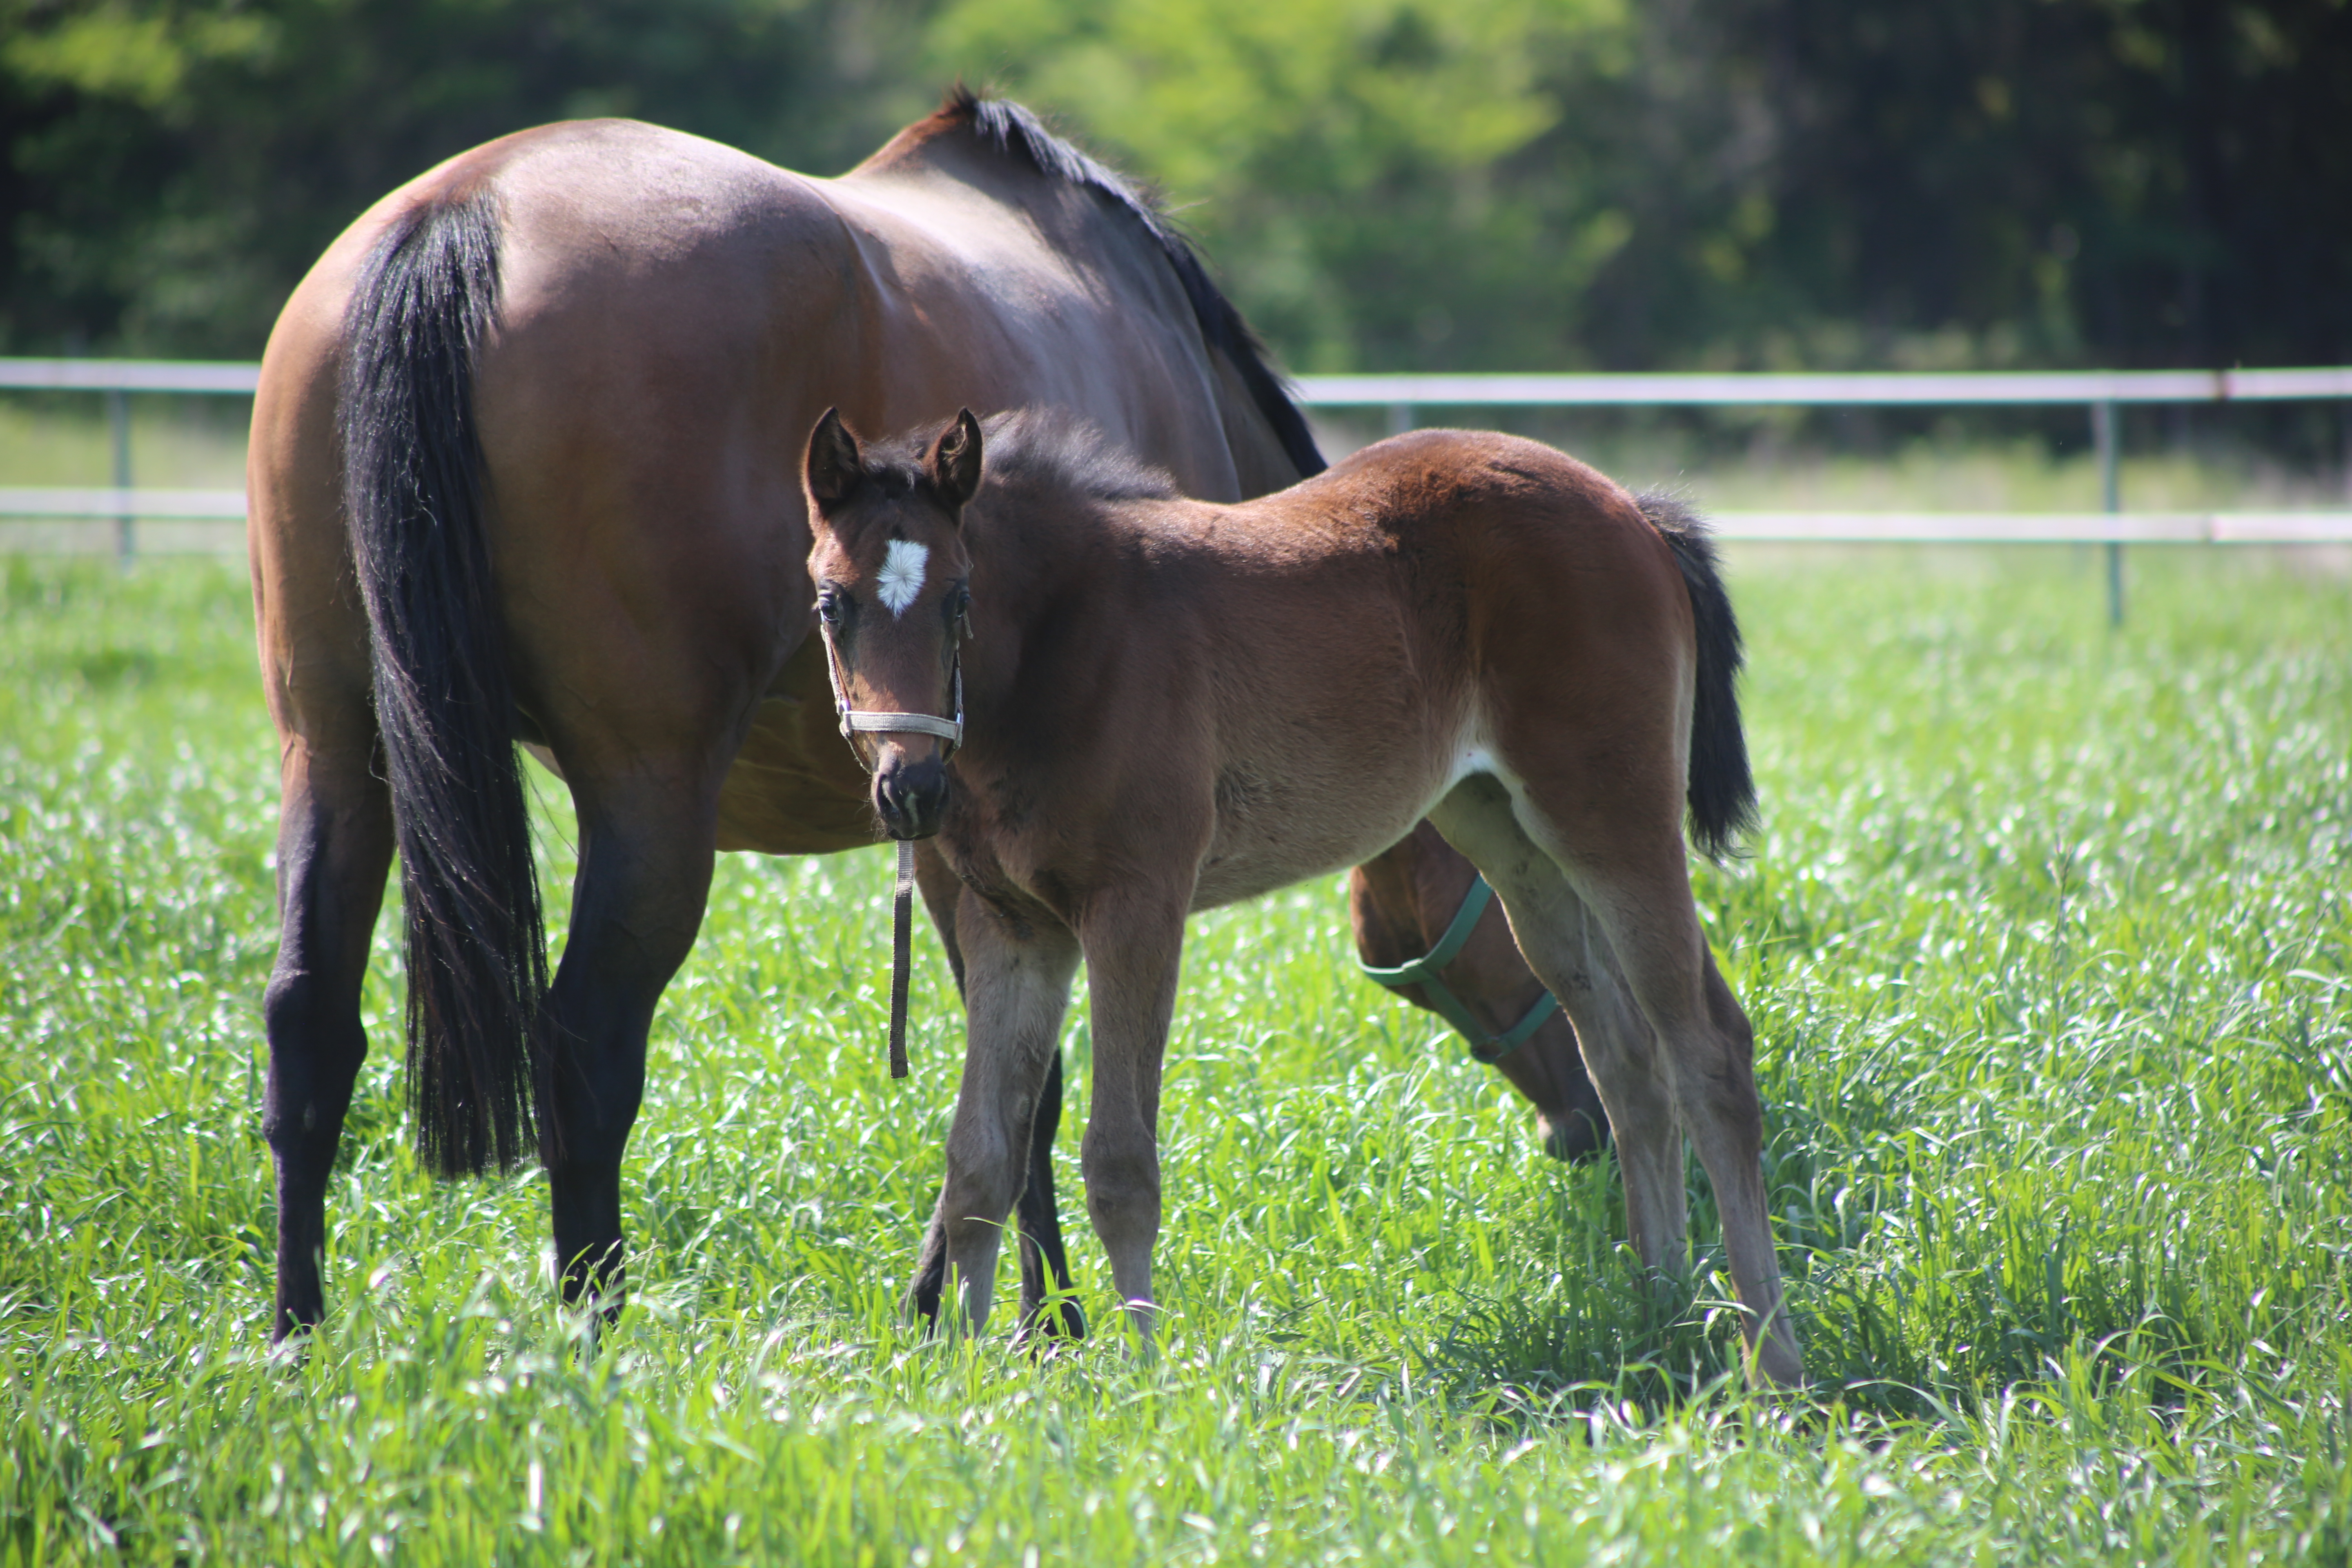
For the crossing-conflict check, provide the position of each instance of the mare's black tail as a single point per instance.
(1722, 791)
(444, 701)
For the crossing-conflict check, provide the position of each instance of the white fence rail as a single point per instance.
(129, 375)
(1662, 389)
(1770, 389)
(63, 504)
(2099, 392)
(65, 501)
(2037, 526)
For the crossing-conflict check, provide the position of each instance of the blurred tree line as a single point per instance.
(1385, 183)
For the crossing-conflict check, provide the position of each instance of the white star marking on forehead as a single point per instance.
(902, 576)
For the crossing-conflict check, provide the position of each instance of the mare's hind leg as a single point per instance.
(646, 860)
(1629, 874)
(334, 848)
(1018, 974)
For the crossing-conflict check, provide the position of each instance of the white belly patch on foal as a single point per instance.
(902, 576)
(1471, 759)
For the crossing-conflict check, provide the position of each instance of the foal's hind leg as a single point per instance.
(1017, 974)
(1630, 874)
(1044, 1262)
(1578, 966)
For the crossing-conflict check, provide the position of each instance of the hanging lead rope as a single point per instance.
(902, 942)
(857, 721)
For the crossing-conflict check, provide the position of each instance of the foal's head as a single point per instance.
(892, 581)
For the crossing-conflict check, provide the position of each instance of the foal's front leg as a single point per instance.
(1134, 947)
(1018, 974)
(1043, 1264)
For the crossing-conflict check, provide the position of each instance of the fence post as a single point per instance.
(2345, 409)
(118, 424)
(2103, 436)
(1400, 418)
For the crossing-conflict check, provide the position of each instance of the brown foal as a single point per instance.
(1173, 704)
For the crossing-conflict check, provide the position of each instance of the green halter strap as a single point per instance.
(1422, 972)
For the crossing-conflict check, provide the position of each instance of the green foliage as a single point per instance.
(1388, 183)
(1793, 184)
(2048, 944)
(175, 165)
(1344, 156)
(2041, 180)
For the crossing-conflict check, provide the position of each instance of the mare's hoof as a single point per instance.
(1575, 1139)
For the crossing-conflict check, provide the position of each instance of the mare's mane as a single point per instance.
(1013, 131)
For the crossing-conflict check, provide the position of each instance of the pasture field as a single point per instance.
(2048, 941)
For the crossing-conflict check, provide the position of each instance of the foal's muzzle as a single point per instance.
(911, 795)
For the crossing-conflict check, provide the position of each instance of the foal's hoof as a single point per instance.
(1044, 1326)
(1575, 1139)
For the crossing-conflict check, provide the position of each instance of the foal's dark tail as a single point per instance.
(444, 704)
(1722, 791)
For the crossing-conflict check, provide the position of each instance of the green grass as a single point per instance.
(2048, 942)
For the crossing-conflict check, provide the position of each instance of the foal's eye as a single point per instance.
(957, 604)
(828, 606)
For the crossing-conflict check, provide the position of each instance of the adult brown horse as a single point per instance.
(525, 465)
(1170, 704)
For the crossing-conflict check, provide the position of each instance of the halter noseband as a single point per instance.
(871, 721)
(1422, 972)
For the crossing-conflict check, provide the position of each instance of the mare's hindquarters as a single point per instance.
(391, 712)
(532, 515)
(1601, 656)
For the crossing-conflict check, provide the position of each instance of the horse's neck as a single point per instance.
(1037, 540)
(1043, 548)
(942, 171)
(949, 170)
(1260, 460)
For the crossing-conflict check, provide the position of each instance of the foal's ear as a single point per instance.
(833, 468)
(954, 462)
